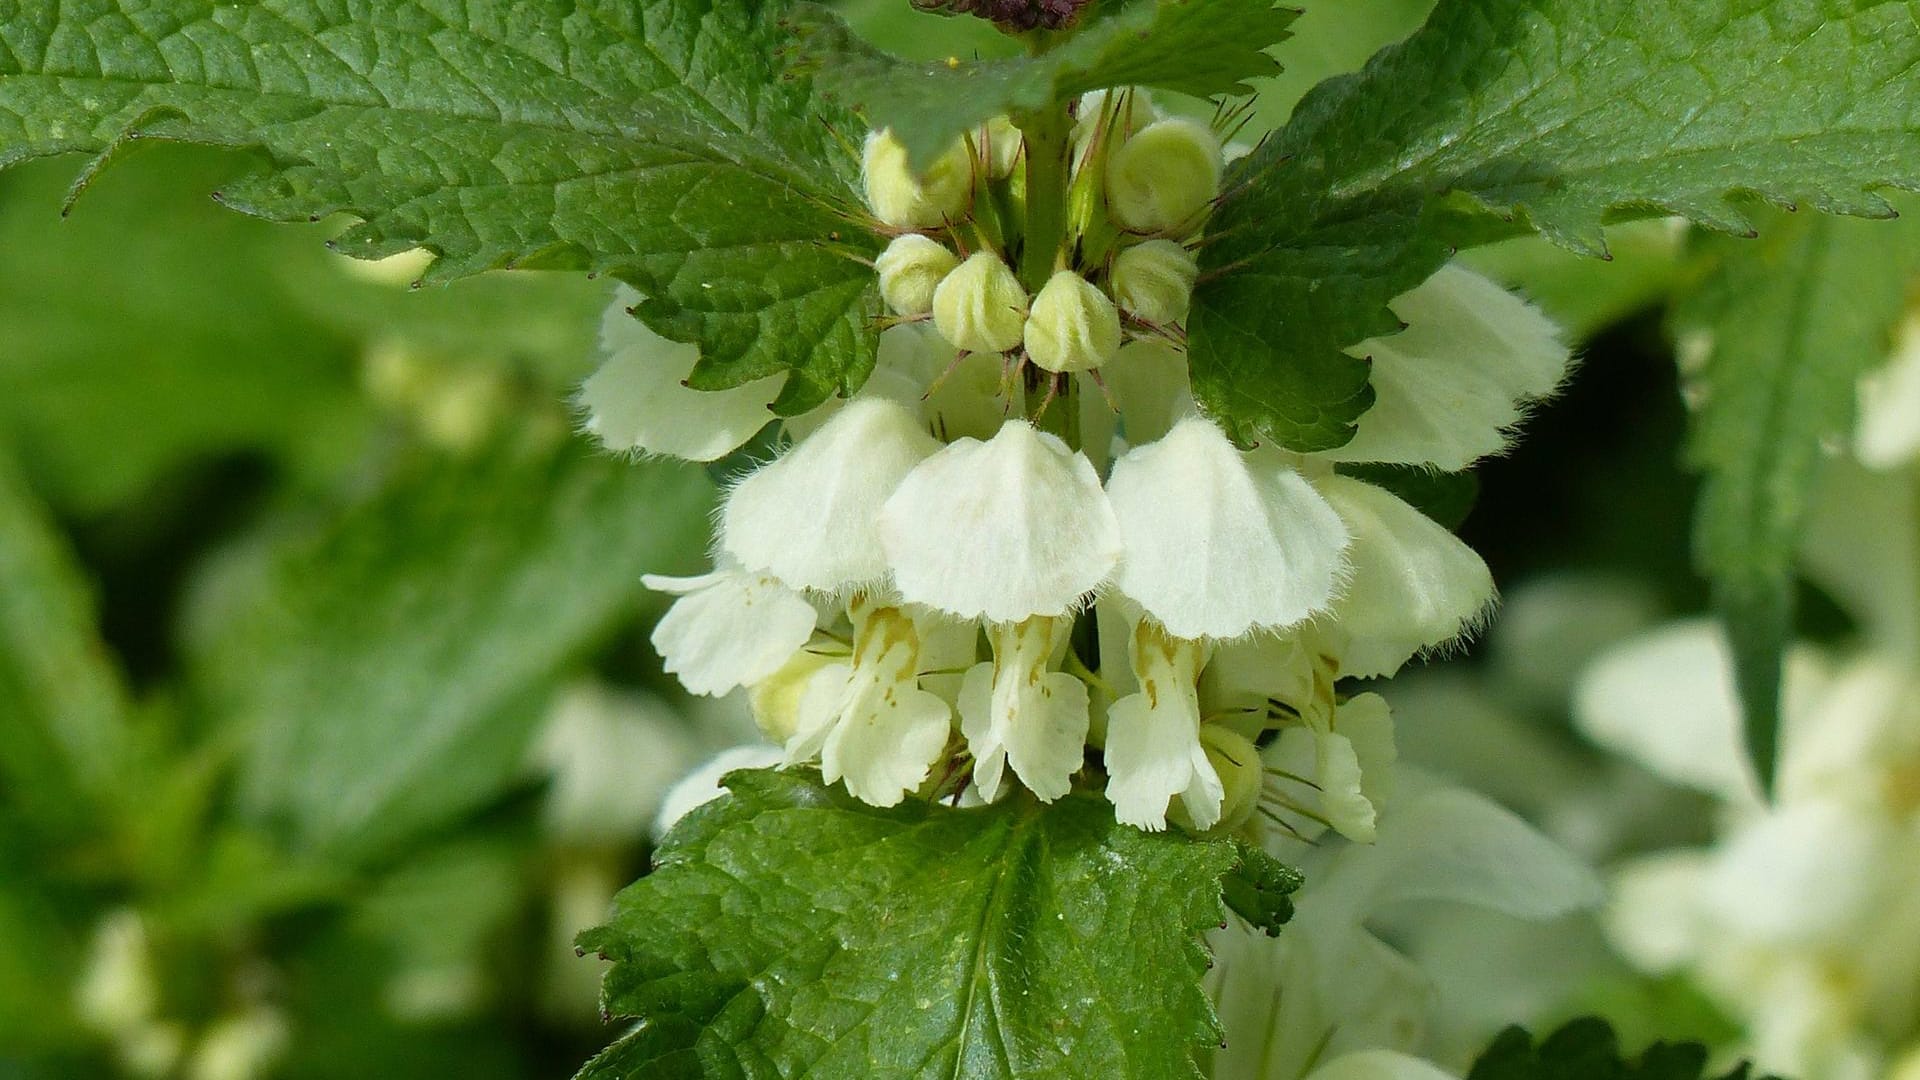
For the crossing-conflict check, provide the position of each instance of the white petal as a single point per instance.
(1449, 388)
(886, 749)
(1801, 876)
(1414, 585)
(1153, 748)
(1379, 1065)
(702, 785)
(729, 628)
(1002, 530)
(638, 399)
(1354, 764)
(1216, 544)
(1014, 711)
(1888, 433)
(1654, 916)
(809, 517)
(1449, 844)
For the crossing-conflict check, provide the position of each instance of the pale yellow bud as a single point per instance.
(980, 307)
(1003, 147)
(910, 269)
(1073, 327)
(775, 700)
(1164, 177)
(1154, 281)
(906, 201)
(1242, 775)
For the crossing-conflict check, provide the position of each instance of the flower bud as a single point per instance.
(980, 307)
(910, 269)
(1004, 143)
(1241, 772)
(1073, 326)
(905, 201)
(1164, 177)
(1154, 281)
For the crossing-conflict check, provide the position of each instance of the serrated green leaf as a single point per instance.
(1259, 888)
(388, 668)
(1789, 324)
(1198, 47)
(1507, 116)
(1587, 1049)
(654, 140)
(792, 930)
(62, 706)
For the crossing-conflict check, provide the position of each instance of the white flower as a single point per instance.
(1001, 530)
(639, 400)
(729, 628)
(1216, 542)
(1449, 389)
(612, 755)
(809, 517)
(868, 719)
(1015, 712)
(1153, 750)
(1888, 432)
(1413, 584)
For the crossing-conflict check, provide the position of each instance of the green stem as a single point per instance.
(1047, 133)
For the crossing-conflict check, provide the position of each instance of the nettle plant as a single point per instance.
(1108, 451)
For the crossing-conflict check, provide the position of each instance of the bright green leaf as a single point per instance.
(654, 140)
(1198, 47)
(389, 668)
(1507, 116)
(791, 930)
(1788, 324)
(1587, 1049)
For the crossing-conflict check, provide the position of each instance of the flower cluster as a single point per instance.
(1022, 554)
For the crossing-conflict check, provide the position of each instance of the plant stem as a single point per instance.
(1047, 133)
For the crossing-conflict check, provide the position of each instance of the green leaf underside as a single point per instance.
(1791, 323)
(1504, 116)
(654, 140)
(790, 930)
(1588, 1049)
(1198, 47)
(390, 669)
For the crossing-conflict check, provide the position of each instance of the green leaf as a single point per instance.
(790, 930)
(1198, 47)
(62, 706)
(1259, 888)
(388, 668)
(1788, 324)
(1502, 117)
(1587, 1049)
(654, 140)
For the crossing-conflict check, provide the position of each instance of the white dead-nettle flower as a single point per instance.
(910, 269)
(905, 200)
(1164, 177)
(1350, 757)
(810, 516)
(1216, 542)
(980, 306)
(1017, 712)
(1153, 751)
(639, 401)
(1887, 434)
(1001, 530)
(730, 627)
(1072, 326)
(867, 718)
(1153, 281)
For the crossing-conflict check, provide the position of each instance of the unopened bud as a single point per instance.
(905, 201)
(910, 269)
(1123, 115)
(1242, 776)
(1154, 281)
(980, 307)
(1004, 143)
(1073, 327)
(1164, 177)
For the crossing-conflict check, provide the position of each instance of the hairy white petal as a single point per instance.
(809, 516)
(1414, 585)
(1014, 712)
(638, 399)
(729, 628)
(1003, 529)
(1216, 543)
(1448, 389)
(1153, 750)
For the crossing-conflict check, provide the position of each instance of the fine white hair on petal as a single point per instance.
(1216, 543)
(729, 628)
(809, 516)
(639, 401)
(1413, 584)
(1003, 529)
(702, 785)
(1449, 388)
